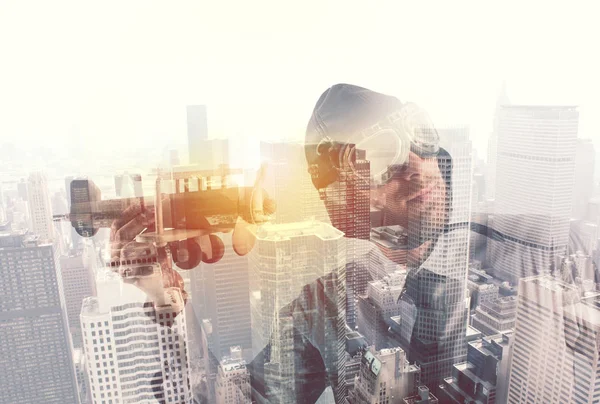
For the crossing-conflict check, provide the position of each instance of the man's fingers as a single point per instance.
(134, 227)
(129, 213)
(128, 232)
(243, 237)
(171, 278)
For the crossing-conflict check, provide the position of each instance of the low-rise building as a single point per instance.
(385, 376)
(233, 379)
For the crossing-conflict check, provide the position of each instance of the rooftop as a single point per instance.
(391, 237)
(286, 231)
(550, 283)
(90, 306)
(231, 365)
(20, 239)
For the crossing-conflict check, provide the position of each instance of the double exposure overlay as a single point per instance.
(390, 249)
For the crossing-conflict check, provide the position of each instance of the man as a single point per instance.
(409, 180)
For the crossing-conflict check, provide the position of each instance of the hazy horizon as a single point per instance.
(121, 75)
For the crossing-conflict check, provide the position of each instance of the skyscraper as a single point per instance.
(35, 353)
(22, 190)
(221, 293)
(298, 284)
(435, 306)
(78, 283)
(197, 130)
(348, 205)
(136, 351)
(40, 209)
(536, 151)
(206, 153)
(76, 242)
(492, 152)
(83, 386)
(128, 185)
(582, 334)
(543, 367)
(583, 180)
(286, 164)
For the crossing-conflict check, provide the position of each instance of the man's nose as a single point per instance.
(412, 170)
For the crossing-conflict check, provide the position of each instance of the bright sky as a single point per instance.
(120, 73)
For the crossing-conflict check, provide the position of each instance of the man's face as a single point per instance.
(414, 196)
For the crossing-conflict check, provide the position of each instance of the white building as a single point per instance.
(582, 334)
(534, 189)
(385, 376)
(136, 350)
(492, 152)
(40, 208)
(233, 379)
(35, 349)
(556, 351)
(542, 369)
(378, 306)
(286, 263)
(583, 180)
(287, 165)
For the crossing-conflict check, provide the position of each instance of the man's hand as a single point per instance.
(134, 260)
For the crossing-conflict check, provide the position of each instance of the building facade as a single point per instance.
(385, 376)
(197, 131)
(78, 283)
(298, 291)
(496, 316)
(534, 190)
(542, 367)
(136, 351)
(221, 293)
(434, 308)
(378, 306)
(583, 180)
(348, 205)
(483, 377)
(36, 351)
(233, 379)
(40, 208)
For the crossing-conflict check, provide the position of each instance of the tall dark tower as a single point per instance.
(75, 238)
(197, 130)
(434, 306)
(36, 350)
(348, 206)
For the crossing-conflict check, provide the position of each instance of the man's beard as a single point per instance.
(426, 221)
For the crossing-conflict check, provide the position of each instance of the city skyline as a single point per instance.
(381, 258)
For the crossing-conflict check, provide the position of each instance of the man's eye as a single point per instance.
(399, 169)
